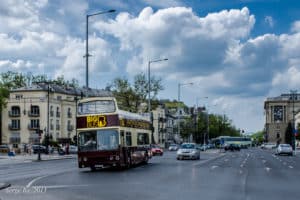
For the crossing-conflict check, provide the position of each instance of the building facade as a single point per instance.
(159, 125)
(279, 112)
(46, 108)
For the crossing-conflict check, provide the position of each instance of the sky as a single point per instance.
(235, 52)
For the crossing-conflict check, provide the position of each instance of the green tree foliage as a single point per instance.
(258, 137)
(218, 126)
(12, 80)
(130, 97)
(4, 94)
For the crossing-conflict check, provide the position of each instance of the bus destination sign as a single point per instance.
(97, 121)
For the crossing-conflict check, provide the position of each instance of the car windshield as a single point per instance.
(188, 146)
(285, 145)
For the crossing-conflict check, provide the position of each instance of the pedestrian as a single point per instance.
(29, 148)
(67, 148)
(50, 149)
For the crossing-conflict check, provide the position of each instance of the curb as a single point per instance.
(4, 185)
(35, 160)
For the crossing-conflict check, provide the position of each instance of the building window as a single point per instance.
(15, 124)
(51, 124)
(15, 138)
(59, 98)
(19, 96)
(34, 111)
(57, 125)
(57, 112)
(34, 124)
(69, 113)
(51, 111)
(15, 111)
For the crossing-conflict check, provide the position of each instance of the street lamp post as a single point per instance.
(149, 82)
(87, 43)
(149, 88)
(178, 117)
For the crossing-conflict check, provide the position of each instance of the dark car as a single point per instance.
(41, 148)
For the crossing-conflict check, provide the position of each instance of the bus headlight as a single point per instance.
(85, 159)
(111, 157)
(117, 158)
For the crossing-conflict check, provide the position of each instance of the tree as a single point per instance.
(12, 80)
(131, 97)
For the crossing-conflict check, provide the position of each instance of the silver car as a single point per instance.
(284, 149)
(188, 151)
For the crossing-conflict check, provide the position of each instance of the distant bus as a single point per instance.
(108, 136)
(226, 140)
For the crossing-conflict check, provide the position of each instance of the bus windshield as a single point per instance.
(96, 107)
(98, 140)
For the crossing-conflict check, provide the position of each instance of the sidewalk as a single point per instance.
(5, 159)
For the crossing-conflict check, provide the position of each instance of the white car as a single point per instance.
(188, 151)
(269, 146)
(284, 149)
(173, 147)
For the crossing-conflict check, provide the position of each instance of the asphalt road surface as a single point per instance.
(249, 174)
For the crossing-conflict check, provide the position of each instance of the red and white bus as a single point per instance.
(108, 136)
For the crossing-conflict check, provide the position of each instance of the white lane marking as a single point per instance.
(264, 161)
(62, 186)
(226, 160)
(267, 169)
(291, 167)
(241, 171)
(241, 165)
(34, 180)
(213, 167)
(284, 163)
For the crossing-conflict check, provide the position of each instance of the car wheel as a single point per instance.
(93, 168)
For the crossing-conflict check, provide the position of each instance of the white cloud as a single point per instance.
(296, 26)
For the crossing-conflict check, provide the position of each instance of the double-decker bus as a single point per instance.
(111, 137)
(227, 140)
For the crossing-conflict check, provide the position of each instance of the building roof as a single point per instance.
(64, 90)
(284, 97)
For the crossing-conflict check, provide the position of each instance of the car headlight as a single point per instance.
(179, 151)
(194, 152)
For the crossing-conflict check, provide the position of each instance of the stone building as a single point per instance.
(279, 112)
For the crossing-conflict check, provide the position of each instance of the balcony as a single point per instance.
(70, 127)
(33, 114)
(30, 127)
(13, 127)
(14, 114)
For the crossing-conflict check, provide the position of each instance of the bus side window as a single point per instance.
(128, 139)
(122, 139)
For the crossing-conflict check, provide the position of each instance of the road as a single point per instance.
(249, 174)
